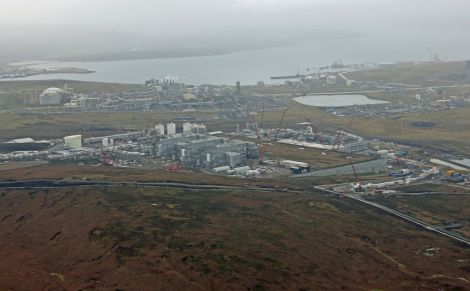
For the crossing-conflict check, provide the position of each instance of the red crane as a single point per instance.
(255, 123)
(107, 157)
(341, 134)
(265, 144)
(357, 185)
(392, 146)
(176, 167)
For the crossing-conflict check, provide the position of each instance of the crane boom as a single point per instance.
(354, 170)
(342, 133)
(280, 124)
(262, 117)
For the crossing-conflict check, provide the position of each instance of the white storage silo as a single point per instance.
(309, 130)
(171, 128)
(187, 127)
(160, 129)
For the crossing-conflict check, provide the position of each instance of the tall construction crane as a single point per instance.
(280, 124)
(393, 147)
(261, 146)
(357, 184)
(265, 144)
(262, 117)
(255, 123)
(341, 134)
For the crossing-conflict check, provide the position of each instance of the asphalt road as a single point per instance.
(436, 229)
(41, 184)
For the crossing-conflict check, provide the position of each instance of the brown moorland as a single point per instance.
(164, 239)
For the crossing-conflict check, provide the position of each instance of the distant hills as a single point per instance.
(71, 44)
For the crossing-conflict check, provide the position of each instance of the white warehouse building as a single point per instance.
(331, 80)
(73, 141)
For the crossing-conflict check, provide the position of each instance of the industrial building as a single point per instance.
(193, 148)
(358, 147)
(73, 142)
(24, 144)
(331, 80)
(51, 96)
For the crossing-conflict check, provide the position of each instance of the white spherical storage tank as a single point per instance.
(73, 141)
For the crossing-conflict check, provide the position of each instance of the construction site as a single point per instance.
(254, 150)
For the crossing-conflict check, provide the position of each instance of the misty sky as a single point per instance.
(99, 24)
(198, 16)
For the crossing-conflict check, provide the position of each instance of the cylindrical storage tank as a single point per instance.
(160, 129)
(242, 170)
(223, 169)
(309, 130)
(208, 157)
(171, 128)
(383, 153)
(253, 173)
(187, 127)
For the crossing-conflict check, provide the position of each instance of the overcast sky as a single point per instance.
(426, 20)
(183, 16)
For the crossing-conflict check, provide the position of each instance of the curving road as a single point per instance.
(436, 229)
(41, 184)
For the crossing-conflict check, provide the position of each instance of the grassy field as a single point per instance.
(451, 130)
(57, 126)
(426, 74)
